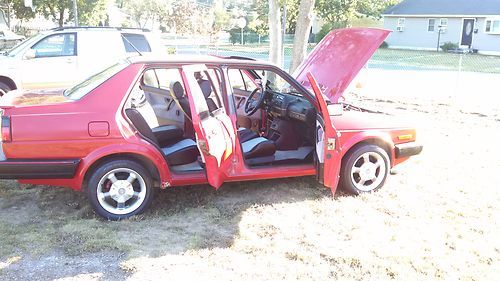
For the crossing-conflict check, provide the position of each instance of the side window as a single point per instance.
(138, 41)
(236, 79)
(58, 45)
(249, 84)
(166, 76)
(150, 78)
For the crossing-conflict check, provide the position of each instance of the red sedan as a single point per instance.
(149, 123)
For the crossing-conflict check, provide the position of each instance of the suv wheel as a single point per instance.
(4, 88)
(364, 169)
(120, 189)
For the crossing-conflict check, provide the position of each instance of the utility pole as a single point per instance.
(75, 12)
(284, 32)
(439, 37)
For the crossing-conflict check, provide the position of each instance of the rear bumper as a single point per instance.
(38, 169)
(407, 149)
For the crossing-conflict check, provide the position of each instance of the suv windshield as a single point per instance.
(80, 90)
(20, 47)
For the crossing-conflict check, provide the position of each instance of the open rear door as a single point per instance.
(327, 144)
(214, 131)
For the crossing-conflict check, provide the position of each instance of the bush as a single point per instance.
(447, 46)
(384, 45)
(325, 29)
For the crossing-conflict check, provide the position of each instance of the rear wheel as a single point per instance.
(4, 88)
(364, 169)
(120, 189)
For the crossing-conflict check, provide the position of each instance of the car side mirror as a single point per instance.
(29, 54)
(335, 109)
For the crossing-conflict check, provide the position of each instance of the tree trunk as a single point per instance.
(275, 38)
(302, 30)
(61, 17)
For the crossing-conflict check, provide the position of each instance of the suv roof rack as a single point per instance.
(99, 27)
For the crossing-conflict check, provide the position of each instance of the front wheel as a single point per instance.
(364, 169)
(120, 189)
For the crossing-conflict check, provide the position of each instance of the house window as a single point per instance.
(432, 25)
(401, 22)
(492, 26)
(443, 23)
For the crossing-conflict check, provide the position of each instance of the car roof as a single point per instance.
(196, 59)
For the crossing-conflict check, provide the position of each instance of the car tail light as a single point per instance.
(6, 129)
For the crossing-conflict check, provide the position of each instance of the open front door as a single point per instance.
(215, 135)
(327, 144)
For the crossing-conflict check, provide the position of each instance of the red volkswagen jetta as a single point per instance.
(149, 123)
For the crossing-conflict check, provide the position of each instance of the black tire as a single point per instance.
(117, 189)
(4, 88)
(354, 180)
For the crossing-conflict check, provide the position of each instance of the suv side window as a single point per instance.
(57, 45)
(137, 40)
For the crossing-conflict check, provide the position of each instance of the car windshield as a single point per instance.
(80, 90)
(20, 47)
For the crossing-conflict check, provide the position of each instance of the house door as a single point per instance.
(467, 32)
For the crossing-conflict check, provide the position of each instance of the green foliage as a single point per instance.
(447, 46)
(325, 29)
(89, 11)
(18, 9)
(262, 11)
(341, 12)
(374, 8)
(222, 20)
(336, 12)
(248, 36)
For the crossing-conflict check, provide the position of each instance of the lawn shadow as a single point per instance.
(58, 224)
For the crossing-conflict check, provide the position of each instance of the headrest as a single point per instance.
(177, 89)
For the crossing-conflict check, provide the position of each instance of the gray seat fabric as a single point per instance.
(258, 147)
(181, 152)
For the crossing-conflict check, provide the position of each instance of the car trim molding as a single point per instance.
(38, 168)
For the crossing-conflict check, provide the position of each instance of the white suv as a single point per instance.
(61, 57)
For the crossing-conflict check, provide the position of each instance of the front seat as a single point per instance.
(180, 152)
(178, 93)
(258, 147)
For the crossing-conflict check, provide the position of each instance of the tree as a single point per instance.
(302, 31)
(90, 11)
(337, 12)
(16, 8)
(275, 36)
(374, 8)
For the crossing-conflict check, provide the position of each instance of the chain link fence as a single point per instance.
(470, 81)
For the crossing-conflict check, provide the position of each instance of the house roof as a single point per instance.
(445, 7)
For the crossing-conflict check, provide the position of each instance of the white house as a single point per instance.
(418, 24)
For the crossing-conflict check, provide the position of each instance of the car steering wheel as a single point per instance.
(252, 104)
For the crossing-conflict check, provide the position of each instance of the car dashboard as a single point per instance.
(289, 107)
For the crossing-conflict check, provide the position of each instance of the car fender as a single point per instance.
(147, 151)
(364, 136)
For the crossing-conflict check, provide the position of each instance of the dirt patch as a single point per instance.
(435, 219)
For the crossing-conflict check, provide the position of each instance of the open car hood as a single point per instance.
(338, 58)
